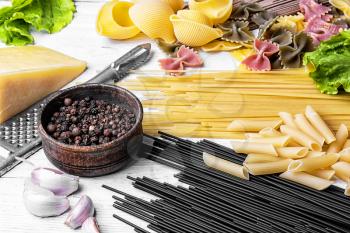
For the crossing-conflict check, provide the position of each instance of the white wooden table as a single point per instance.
(80, 40)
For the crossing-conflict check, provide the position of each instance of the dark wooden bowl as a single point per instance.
(93, 160)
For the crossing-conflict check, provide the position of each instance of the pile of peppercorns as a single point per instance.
(88, 122)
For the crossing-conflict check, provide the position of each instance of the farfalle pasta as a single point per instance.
(292, 56)
(245, 10)
(218, 11)
(293, 23)
(113, 21)
(343, 5)
(282, 37)
(260, 60)
(220, 45)
(152, 18)
(312, 9)
(185, 57)
(262, 17)
(320, 30)
(192, 28)
(236, 31)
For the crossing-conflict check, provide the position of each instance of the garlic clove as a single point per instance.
(90, 226)
(43, 203)
(80, 212)
(59, 183)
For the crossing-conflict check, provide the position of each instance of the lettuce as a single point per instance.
(17, 20)
(330, 64)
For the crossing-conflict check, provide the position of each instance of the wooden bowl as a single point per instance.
(93, 160)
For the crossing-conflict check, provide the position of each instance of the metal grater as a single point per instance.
(19, 136)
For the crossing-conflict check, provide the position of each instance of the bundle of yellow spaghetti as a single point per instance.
(204, 105)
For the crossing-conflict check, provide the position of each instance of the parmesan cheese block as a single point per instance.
(28, 74)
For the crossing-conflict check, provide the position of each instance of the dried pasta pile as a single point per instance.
(204, 105)
(302, 148)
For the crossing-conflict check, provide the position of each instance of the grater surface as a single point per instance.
(19, 135)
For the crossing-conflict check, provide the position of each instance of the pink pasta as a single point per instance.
(312, 9)
(185, 57)
(321, 30)
(260, 61)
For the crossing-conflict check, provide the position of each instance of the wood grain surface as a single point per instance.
(80, 40)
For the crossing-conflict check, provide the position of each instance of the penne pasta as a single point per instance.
(327, 174)
(304, 125)
(342, 170)
(225, 166)
(281, 141)
(347, 189)
(287, 119)
(253, 135)
(270, 132)
(341, 137)
(260, 158)
(347, 144)
(246, 147)
(307, 180)
(293, 143)
(268, 168)
(345, 155)
(312, 154)
(319, 124)
(313, 163)
(292, 152)
(301, 138)
(252, 125)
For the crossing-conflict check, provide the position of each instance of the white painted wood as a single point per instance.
(80, 40)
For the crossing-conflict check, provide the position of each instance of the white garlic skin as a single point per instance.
(90, 225)
(43, 203)
(80, 212)
(59, 183)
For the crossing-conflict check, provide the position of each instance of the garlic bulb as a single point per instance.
(59, 183)
(90, 226)
(81, 211)
(42, 202)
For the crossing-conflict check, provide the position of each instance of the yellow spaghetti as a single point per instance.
(204, 105)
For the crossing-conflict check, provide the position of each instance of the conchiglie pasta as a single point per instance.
(176, 4)
(152, 18)
(190, 30)
(217, 10)
(113, 21)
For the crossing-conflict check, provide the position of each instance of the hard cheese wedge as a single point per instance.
(28, 74)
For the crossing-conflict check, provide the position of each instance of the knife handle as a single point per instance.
(107, 75)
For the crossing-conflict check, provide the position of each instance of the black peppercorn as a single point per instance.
(89, 122)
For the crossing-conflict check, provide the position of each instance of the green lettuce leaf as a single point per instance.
(330, 64)
(17, 20)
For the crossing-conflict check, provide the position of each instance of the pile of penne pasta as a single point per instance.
(302, 148)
